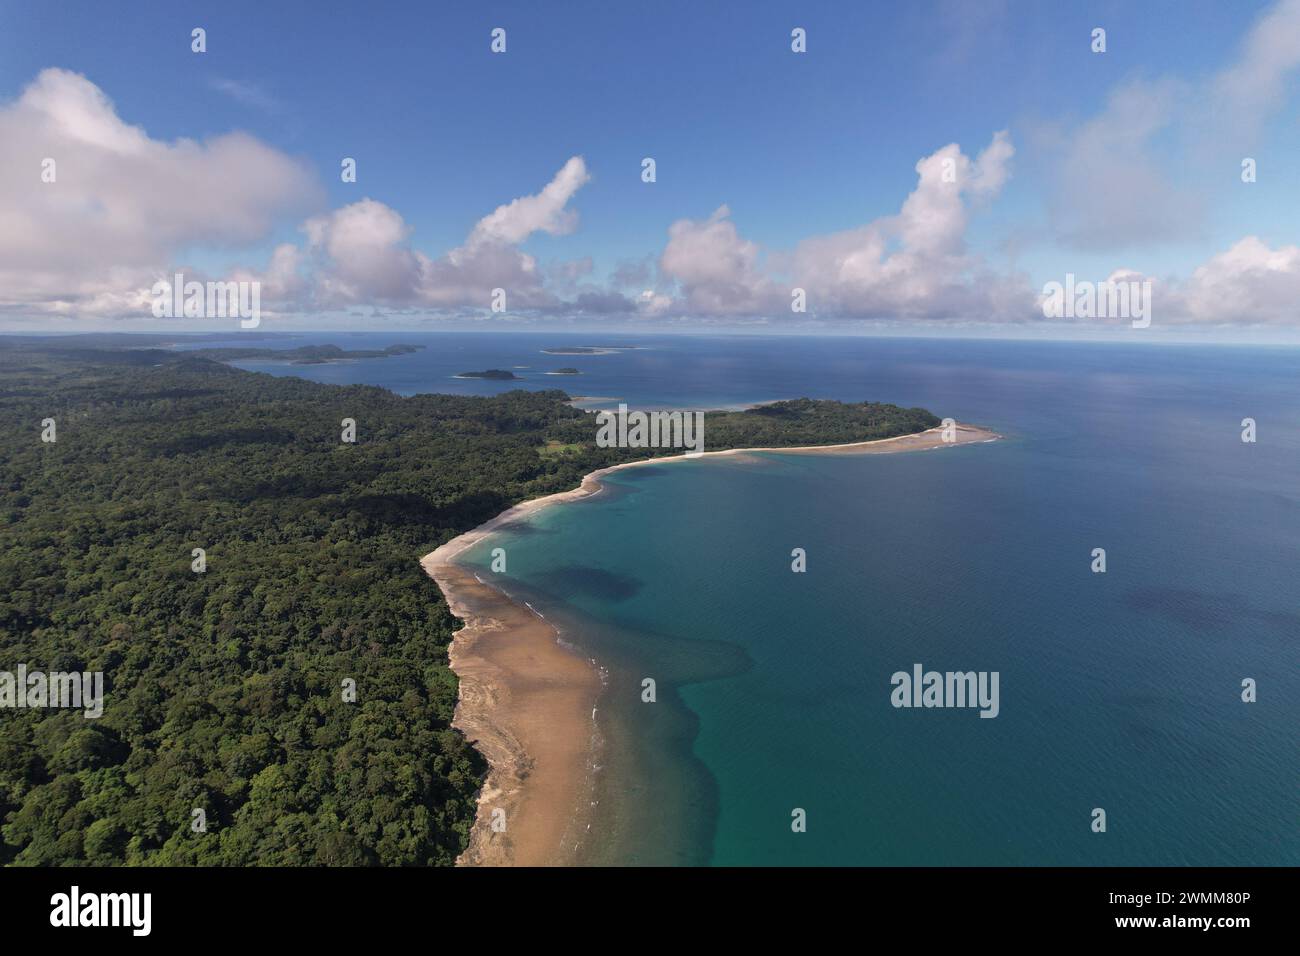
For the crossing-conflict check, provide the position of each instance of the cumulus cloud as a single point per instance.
(123, 208)
(916, 264)
(122, 204)
(1250, 282)
(515, 221)
(361, 253)
(718, 272)
(913, 264)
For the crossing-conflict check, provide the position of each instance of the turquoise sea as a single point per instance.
(1119, 691)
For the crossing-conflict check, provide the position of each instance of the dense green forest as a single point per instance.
(303, 355)
(224, 688)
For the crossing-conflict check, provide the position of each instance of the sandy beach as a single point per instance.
(527, 703)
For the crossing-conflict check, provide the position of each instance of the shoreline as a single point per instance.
(528, 704)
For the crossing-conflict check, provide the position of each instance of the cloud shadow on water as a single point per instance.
(591, 582)
(1205, 612)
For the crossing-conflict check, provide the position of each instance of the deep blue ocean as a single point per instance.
(1120, 691)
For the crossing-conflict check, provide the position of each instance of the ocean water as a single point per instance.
(1119, 691)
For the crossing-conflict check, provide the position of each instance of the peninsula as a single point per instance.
(529, 704)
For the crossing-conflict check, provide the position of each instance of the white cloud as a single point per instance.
(915, 265)
(123, 205)
(126, 208)
(1250, 282)
(717, 270)
(910, 265)
(361, 253)
(512, 223)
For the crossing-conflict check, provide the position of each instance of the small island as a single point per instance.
(590, 349)
(496, 374)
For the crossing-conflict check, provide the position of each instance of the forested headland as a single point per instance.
(225, 687)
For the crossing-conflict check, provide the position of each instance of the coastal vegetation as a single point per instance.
(303, 355)
(247, 581)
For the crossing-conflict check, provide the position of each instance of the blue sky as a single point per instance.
(795, 145)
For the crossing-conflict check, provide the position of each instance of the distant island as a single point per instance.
(496, 374)
(590, 349)
(303, 355)
(565, 371)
